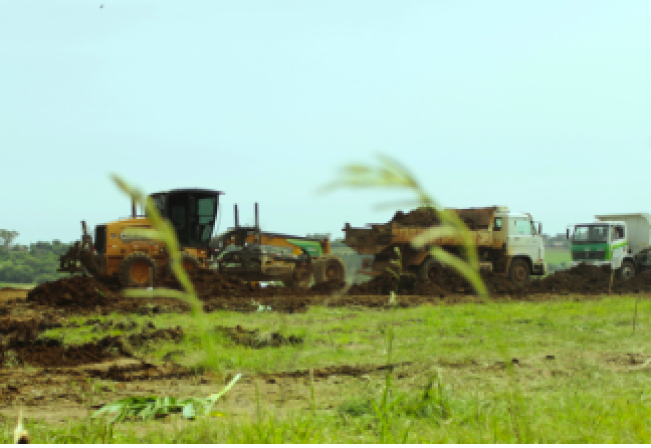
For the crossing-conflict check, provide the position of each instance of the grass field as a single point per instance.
(557, 256)
(17, 285)
(562, 371)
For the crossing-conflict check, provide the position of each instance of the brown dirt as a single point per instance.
(255, 339)
(416, 217)
(334, 370)
(46, 355)
(84, 295)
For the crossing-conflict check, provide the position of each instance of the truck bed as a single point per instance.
(373, 240)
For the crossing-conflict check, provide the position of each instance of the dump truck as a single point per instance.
(621, 241)
(507, 242)
(255, 255)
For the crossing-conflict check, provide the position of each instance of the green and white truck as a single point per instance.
(619, 240)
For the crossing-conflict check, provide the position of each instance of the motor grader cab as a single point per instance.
(122, 249)
(246, 252)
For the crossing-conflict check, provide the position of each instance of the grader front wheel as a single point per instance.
(137, 270)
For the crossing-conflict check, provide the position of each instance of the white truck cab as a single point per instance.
(522, 239)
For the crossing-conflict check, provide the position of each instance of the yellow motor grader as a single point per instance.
(120, 250)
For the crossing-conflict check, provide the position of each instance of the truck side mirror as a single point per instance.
(567, 234)
(540, 228)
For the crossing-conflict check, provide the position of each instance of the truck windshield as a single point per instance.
(590, 234)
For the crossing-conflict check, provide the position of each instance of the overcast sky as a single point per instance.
(544, 107)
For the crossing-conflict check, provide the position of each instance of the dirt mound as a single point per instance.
(581, 279)
(52, 354)
(24, 330)
(255, 339)
(586, 279)
(226, 292)
(126, 344)
(210, 283)
(416, 217)
(327, 287)
(72, 293)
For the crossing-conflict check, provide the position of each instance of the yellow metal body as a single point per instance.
(120, 243)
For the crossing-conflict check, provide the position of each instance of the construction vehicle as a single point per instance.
(245, 251)
(621, 241)
(507, 243)
(119, 250)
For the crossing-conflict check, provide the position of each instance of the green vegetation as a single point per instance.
(34, 264)
(557, 256)
(579, 376)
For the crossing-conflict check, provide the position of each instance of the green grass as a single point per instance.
(17, 285)
(587, 393)
(557, 256)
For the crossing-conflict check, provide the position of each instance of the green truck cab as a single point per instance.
(620, 241)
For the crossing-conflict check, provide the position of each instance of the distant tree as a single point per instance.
(8, 237)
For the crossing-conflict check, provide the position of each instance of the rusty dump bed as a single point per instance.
(403, 227)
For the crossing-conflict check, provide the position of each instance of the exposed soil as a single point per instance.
(416, 217)
(46, 354)
(126, 344)
(325, 372)
(84, 295)
(255, 339)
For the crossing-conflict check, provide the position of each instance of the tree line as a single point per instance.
(36, 263)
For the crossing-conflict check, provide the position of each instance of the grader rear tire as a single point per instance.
(137, 270)
(188, 261)
(330, 268)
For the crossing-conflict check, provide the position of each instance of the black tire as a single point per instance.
(329, 268)
(429, 269)
(627, 271)
(519, 272)
(137, 270)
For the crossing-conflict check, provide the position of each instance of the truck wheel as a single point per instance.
(627, 271)
(136, 270)
(429, 270)
(329, 268)
(519, 271)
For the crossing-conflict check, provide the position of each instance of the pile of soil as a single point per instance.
(126, 344)
(586, 279)
(581, 279)
(227, 292)
(85, 295)
(23, 330)
(255, 339)
(417, 217)
(49, 354)
(73, 293)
